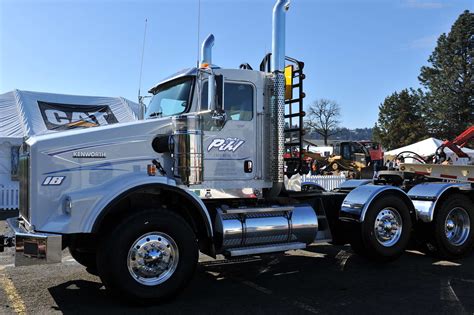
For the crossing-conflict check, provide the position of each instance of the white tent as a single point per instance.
(426, 148)
(25, 113)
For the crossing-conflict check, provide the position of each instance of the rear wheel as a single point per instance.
(385, 231)
(452, 234)
(149, 256)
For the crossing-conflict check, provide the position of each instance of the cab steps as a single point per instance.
(263, 249)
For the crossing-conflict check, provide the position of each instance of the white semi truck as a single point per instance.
(136, 202)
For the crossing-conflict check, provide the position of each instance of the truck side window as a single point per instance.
(238, 100)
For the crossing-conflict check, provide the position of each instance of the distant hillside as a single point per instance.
(346, 134)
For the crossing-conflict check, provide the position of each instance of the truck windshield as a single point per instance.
(170, 98)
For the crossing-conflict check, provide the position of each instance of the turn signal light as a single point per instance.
(151, 170)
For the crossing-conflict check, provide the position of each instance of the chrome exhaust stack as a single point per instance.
(278, 35)
(206, 50)
(277, 104)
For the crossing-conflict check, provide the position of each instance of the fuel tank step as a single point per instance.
(263, 249)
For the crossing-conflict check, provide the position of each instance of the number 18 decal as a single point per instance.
(53, 180)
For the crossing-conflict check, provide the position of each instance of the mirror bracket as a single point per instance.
(219, 118)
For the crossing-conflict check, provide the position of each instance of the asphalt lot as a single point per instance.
(320, 280)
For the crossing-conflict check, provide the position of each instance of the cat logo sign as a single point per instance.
(81, 123)
(288, 82)
(68, 116)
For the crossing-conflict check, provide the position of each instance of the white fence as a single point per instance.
(328, 182)
(9, 195)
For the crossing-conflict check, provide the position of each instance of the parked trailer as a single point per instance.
(135, 202)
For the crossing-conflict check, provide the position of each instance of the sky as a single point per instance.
(356, 52)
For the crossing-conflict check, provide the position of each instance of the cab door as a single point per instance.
(230, 149)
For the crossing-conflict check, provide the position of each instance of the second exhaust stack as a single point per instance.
(278, 35)
(277, 105)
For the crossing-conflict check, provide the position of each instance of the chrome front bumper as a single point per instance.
(33, 248)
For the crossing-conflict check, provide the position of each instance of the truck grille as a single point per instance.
(23, 174)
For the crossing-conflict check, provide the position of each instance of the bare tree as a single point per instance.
(323, 118)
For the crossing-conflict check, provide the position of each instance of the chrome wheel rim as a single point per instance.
(153, 258)
(457, 226)
(388, 227)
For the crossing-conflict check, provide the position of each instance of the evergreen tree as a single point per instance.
(450, 82)
(401, 120)
(376, 135)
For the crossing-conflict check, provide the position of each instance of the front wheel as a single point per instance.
(150, 256)
(452, 234)
(83, 249)
(85, 258)
(385, 231)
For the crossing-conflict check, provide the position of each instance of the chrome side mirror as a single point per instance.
(211, 93)
(215, 93)
(216, 99)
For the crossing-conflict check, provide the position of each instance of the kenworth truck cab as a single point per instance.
(136, 202)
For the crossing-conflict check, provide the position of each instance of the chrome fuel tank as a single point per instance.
(261, 226)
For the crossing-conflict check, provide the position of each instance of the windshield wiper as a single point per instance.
(156, 114)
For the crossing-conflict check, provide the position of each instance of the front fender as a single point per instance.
(357, 202)
(88, 204)
(185, 194)
(426, 196)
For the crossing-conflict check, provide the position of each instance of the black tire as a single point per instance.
(85, 258)
(113, 255)
(364, 240)
(438, 242)
(355, 239)
(83, 250)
